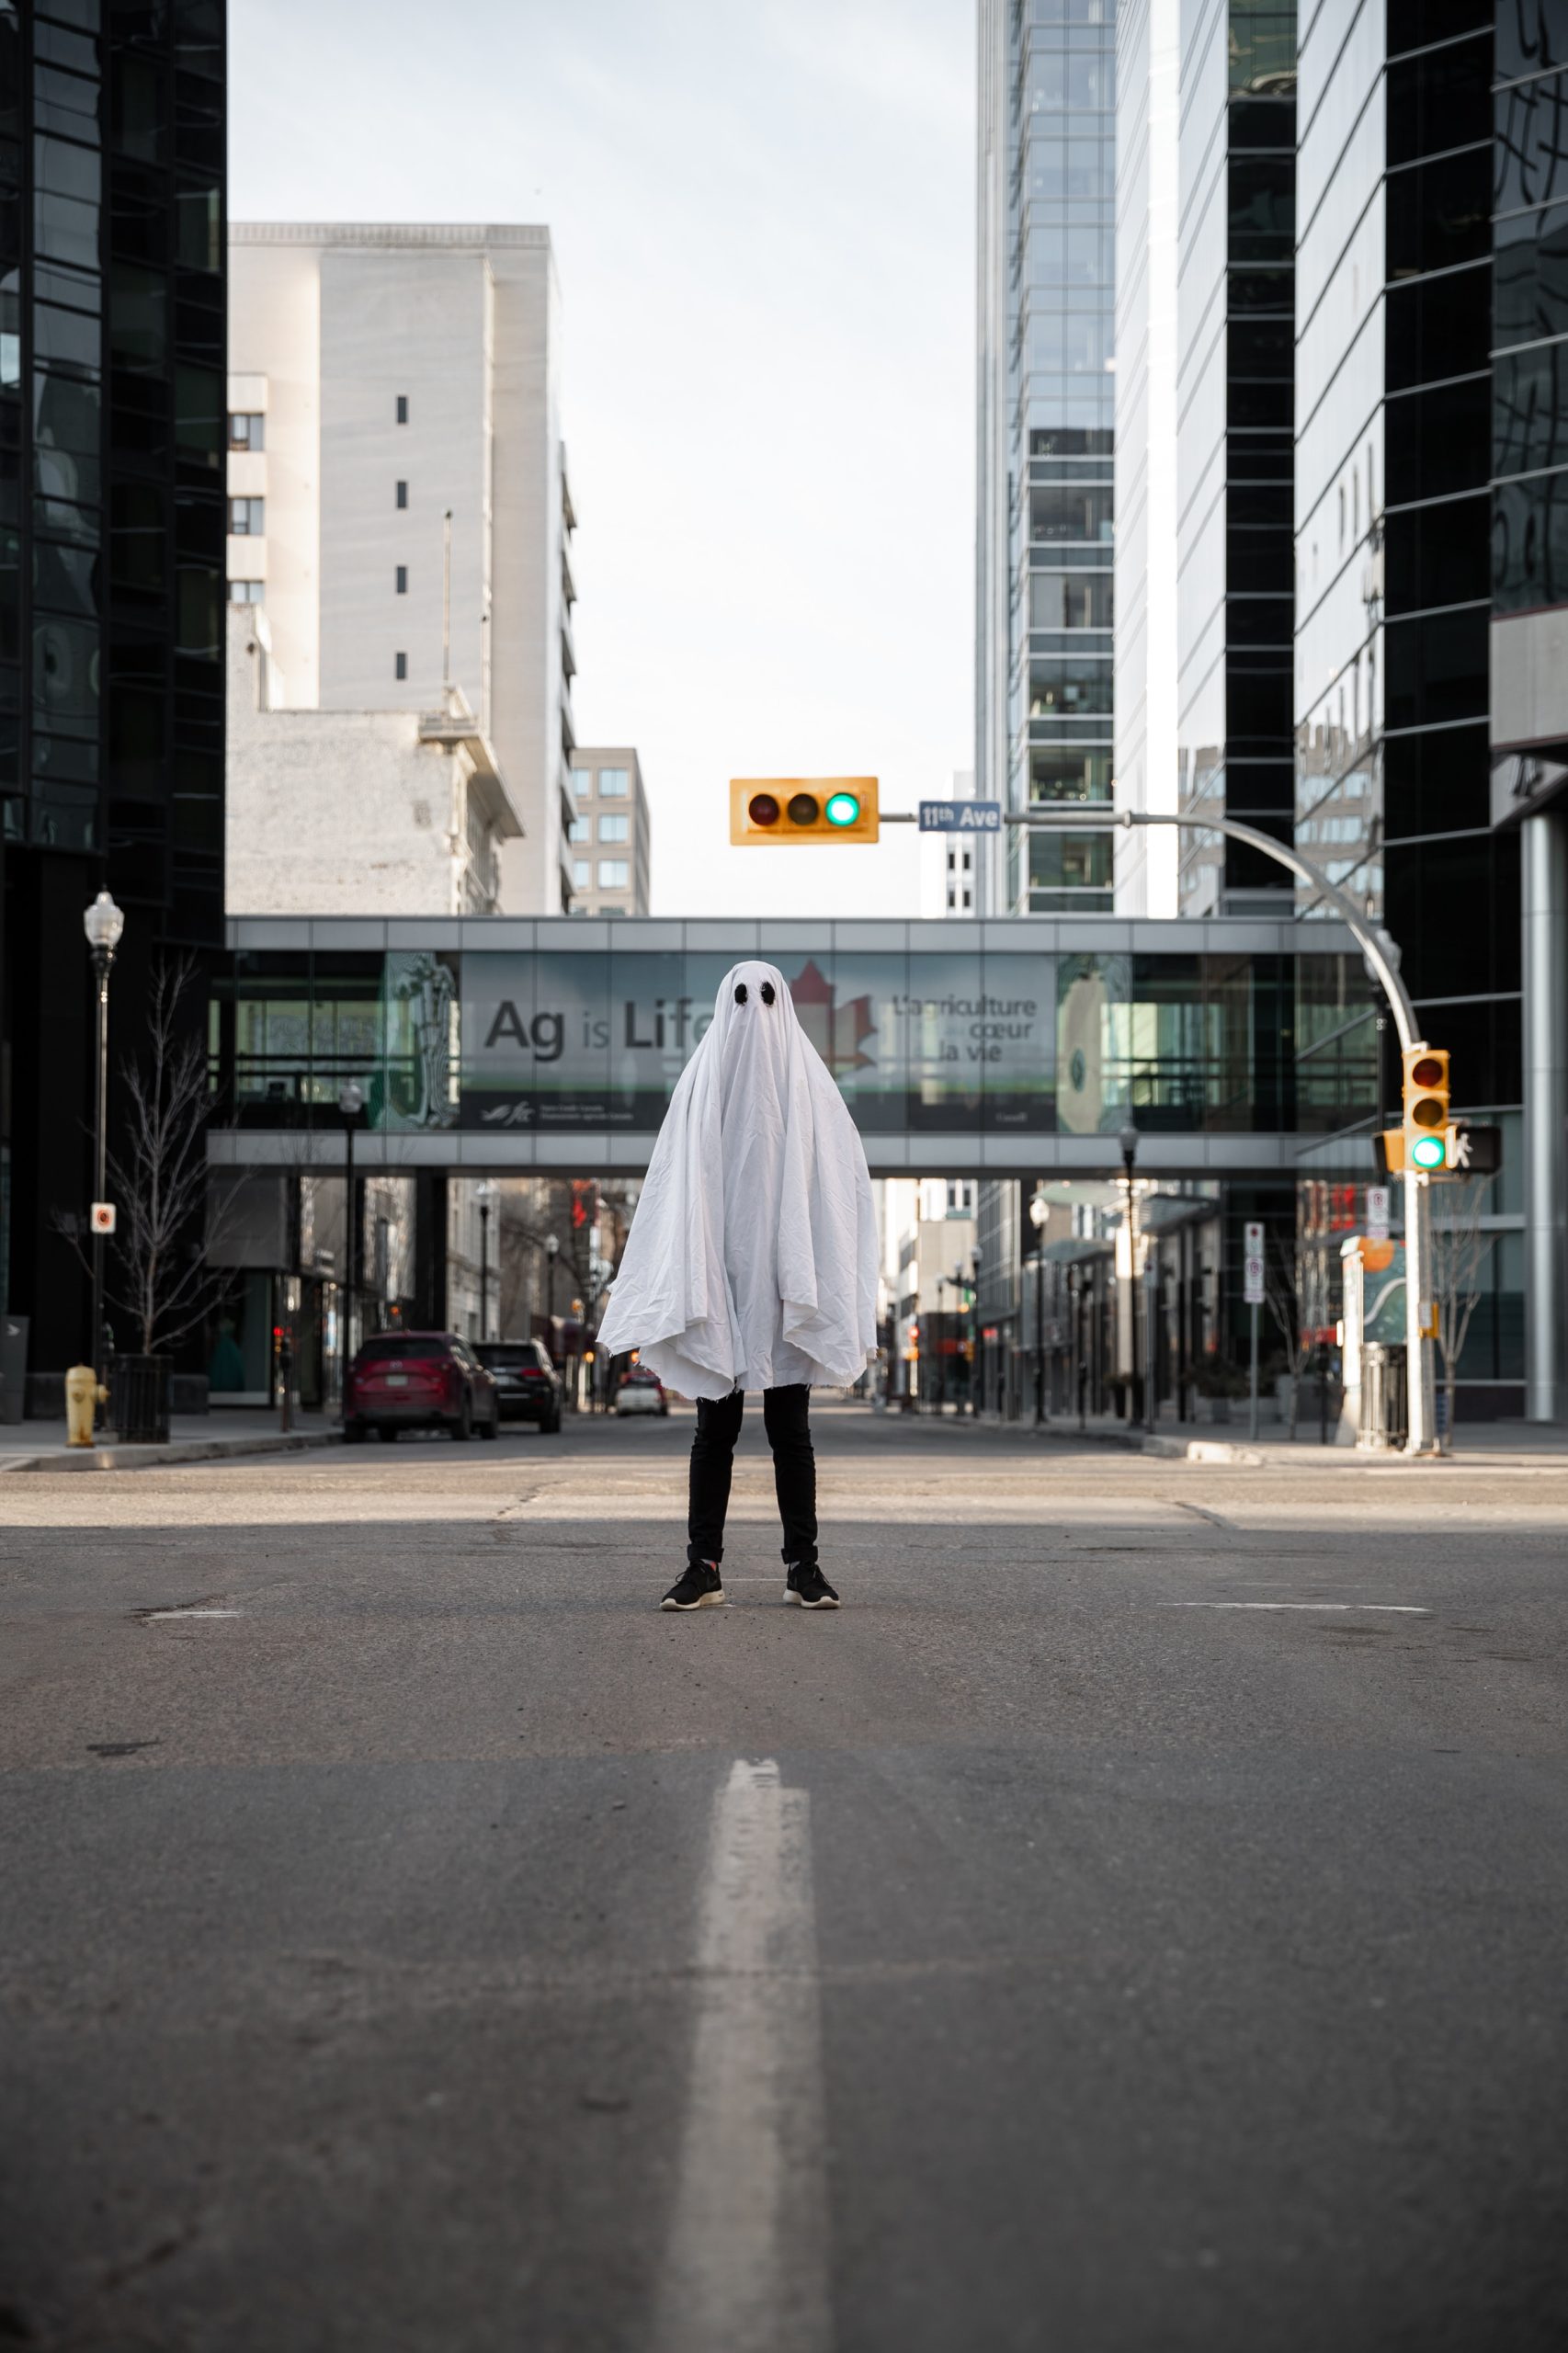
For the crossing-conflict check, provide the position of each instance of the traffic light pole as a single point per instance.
(1421, 1438)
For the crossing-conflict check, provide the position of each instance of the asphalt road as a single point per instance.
(1134, 1923)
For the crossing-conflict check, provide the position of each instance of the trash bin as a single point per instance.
(1383, 1422)
(139, 1399)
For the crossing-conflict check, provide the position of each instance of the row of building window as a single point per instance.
(615, 784)
(614, 826)
(615, 874)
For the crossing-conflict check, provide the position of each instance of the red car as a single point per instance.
(402, 1381)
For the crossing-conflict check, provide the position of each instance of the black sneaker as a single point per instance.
(701, 1587)
(809, 1587)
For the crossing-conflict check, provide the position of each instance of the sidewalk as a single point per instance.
(193, 1438)
(1480, 1444)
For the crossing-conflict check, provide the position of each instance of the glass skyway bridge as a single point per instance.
(495, 1045)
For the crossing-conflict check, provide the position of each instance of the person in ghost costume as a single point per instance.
(752, 1264)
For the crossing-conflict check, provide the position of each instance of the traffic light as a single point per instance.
(1425, 1107)
(768, 810)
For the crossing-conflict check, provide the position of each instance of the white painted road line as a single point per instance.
(161, 1617)
(1378, 1608)
(746, 2269)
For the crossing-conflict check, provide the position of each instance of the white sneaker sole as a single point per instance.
(703, 1601)
(827, 1601)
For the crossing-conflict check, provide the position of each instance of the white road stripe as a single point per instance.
(1383, 1608)
(746, 2267)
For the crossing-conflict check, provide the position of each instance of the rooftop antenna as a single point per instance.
(446, 608)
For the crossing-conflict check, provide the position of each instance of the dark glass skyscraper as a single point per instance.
(111, 566)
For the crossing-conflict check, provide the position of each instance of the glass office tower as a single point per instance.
(1045, 406)
(112, 567)
(1394, 462)
(1235, 400)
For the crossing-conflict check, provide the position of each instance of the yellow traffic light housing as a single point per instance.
(1426, 1127)
(766, 811)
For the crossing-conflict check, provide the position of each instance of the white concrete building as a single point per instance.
(397, 812)
(399, 499)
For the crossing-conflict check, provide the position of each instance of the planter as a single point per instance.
(139, 1399)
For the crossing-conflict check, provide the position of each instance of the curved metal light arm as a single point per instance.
(1377, 956)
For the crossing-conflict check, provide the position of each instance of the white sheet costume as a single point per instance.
(751, 1260)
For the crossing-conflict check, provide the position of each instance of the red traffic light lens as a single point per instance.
(1427, 1072)
(762, 809)
(805, 809)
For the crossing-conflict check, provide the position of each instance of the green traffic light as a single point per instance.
(842, 809)
(1429, 1152)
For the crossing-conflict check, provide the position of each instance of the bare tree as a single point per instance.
(1282, 1298)
(1460, 1252)
(159, 1273)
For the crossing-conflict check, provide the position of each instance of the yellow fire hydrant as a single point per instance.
(82, 1394)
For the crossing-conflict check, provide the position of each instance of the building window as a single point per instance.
(247, 592)
(247, 430)
(583, 782)
(400, 665)
(614, 826)
(615, 874)
(402, 408)
(247, 518)
(402, 580)
(580, 830)
(614, 784)
(403, 494)
(582, 873)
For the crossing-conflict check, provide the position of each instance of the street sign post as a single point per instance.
(1252, 1293)
(960, 816)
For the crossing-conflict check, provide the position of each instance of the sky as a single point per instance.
(762, 214)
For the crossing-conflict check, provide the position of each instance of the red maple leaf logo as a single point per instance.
(836, 1031)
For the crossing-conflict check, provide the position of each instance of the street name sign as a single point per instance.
(1252, 1291)
(960, 816)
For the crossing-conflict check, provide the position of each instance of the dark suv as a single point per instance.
(527, 1387)
(403, 1380)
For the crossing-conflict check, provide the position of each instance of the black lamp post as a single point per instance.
(974, 1337)
(350, 1102)
(486, 1195)
(944, 1345)
(103, 924)
(1129, 1154)
(552, 1252)
(1038, 1211)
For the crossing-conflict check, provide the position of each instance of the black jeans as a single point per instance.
(786, 1418)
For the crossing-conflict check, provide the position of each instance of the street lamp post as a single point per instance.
(1382, 959)
(973, 1336)
(103, 924)
(350, 1102)
(486, 1194)
(1038, 1211)
(1128, 1141)
(944, 1344)
(552, 1252)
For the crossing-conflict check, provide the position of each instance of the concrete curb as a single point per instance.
(177, 1450)
(1202, 1450)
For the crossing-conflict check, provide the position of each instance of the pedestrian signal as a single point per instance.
(1425, 1107)
(766, 811)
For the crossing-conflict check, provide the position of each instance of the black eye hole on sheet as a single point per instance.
(739, 993)
(767, 992)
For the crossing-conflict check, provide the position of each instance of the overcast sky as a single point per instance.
(762, 217)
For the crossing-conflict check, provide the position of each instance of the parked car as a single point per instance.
(641, 1392)
(527, 1387)
(402, 1381)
